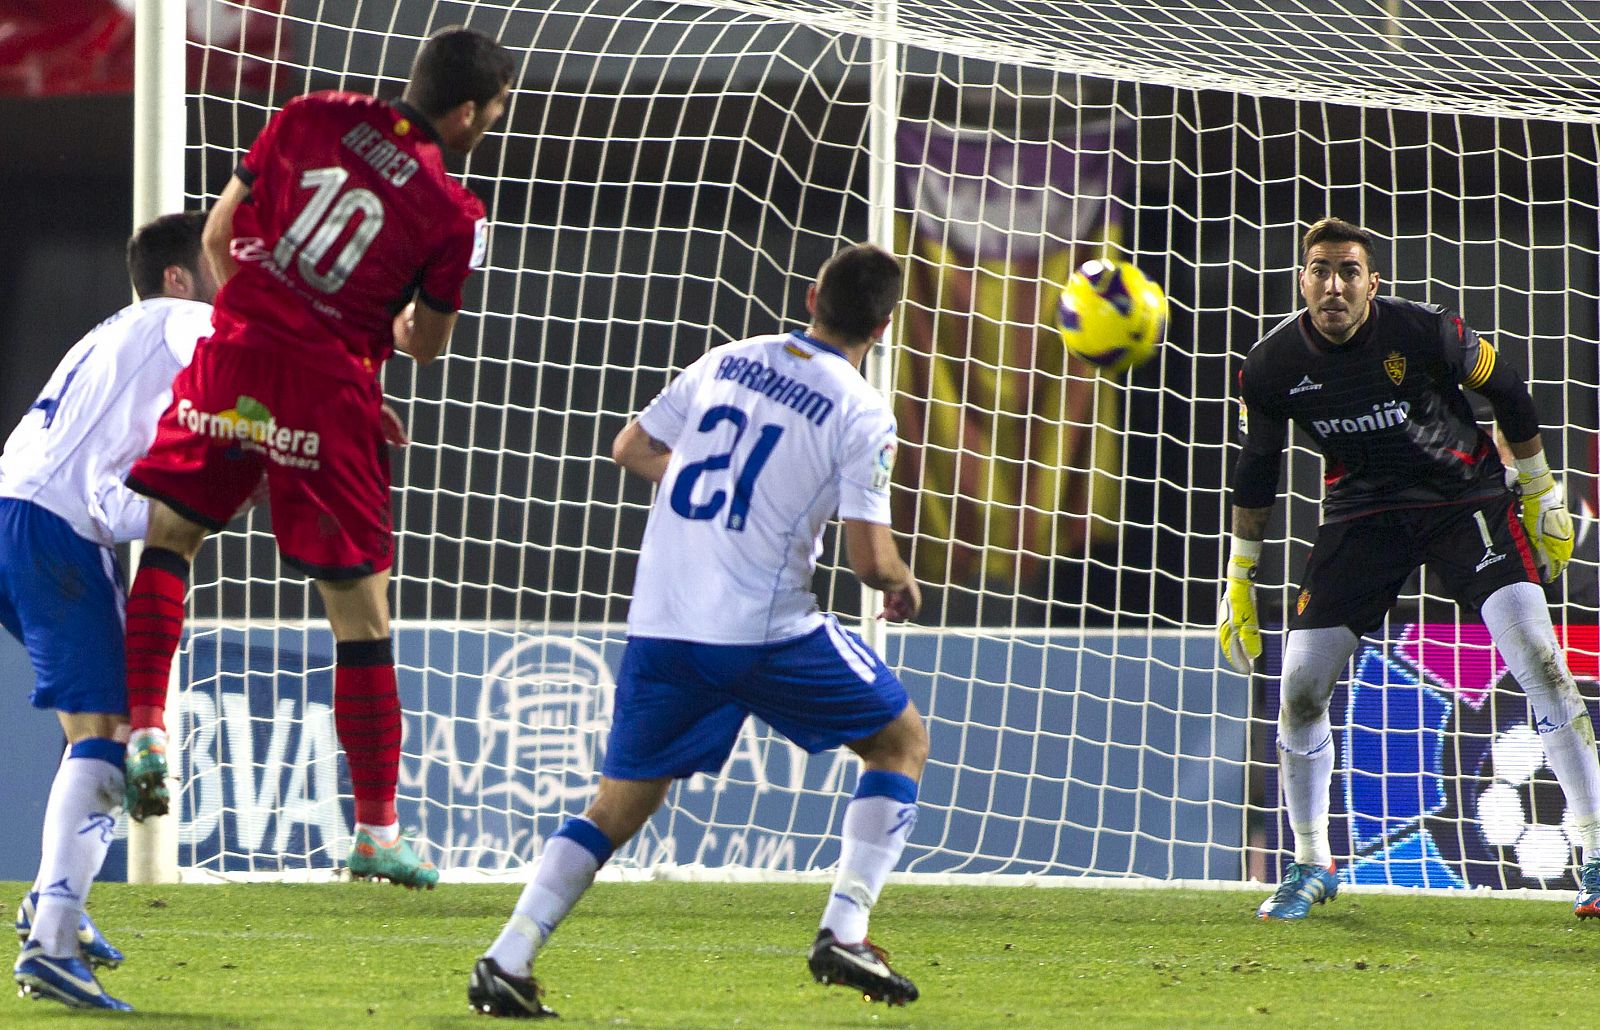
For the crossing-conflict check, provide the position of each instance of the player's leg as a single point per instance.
(825, 690)
(78, 823)
(1335, 603)
(1519, 621)
(197, 475)
(60, 596)
(1313, 661)
(366, 716)
(154, 628)
(502, 981)
(670, 719)
(1486, 562)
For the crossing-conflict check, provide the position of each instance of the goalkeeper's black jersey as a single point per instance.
(1385, 408)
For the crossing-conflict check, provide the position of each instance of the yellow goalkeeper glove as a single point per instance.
(1238, 628)
(1545, 517)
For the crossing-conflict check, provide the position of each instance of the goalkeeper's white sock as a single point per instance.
(1519, 621)
(876, 824)
(78, 826)
(1305, 758)
(566, 869)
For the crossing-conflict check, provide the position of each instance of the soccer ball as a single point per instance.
(1111, 315)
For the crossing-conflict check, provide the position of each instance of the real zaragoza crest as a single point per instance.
(1395, 365)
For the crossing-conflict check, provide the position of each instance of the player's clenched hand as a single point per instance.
(1549, 526)
(394, 427)
(1238, 629)
(902, 604)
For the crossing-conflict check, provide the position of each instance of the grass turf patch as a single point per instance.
(720, 955)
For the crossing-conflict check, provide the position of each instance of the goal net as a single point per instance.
(670, 176)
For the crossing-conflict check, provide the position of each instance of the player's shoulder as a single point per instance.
(1399, 318)
(149, 324)
(1286, 333)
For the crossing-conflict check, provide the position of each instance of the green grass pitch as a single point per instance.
(719, 955)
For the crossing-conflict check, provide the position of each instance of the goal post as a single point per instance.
(670, 176)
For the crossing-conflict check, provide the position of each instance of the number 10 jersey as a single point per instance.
(351, 212)
(769, 437)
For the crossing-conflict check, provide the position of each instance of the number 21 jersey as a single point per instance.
(769, 437)
(351, 211)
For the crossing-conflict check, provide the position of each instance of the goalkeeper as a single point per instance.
(1376, 384)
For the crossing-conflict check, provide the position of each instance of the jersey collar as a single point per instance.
(416, 118)
(807, 338)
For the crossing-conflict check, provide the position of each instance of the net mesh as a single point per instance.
(670, 177)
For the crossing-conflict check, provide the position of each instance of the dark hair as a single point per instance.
(857, 290)
(169, 240)
(454, 66)
(1337, 230)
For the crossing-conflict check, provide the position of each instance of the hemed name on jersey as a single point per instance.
(754, 375)
(286, 446)
(368, 143)
(1384, 416)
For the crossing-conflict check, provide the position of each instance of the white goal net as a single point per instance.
(670, 176)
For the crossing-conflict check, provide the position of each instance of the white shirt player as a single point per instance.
(769, 437)
(97, 415)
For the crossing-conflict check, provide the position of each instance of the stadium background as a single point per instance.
(67, 184)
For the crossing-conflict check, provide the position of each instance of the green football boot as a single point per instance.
(396, 863)
(145, 770)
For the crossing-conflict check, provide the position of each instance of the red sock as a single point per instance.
(366, 714)
(155, 623)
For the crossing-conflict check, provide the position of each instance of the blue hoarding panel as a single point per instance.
(1067, 754)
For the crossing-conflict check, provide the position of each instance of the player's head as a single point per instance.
(855, 293)
(165, 259)
(461, 80)
(1337, 278)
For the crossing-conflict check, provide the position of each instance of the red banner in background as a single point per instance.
(70, 47)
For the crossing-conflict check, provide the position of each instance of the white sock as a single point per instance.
(384, 835)
(1305, 759)
(78, 826)
(1570, 753)
(874, 835)
(565, 871)
(1519, 621)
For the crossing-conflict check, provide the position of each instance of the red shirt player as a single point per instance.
(340, 239)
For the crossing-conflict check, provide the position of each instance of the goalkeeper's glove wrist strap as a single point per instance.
(1244, 552)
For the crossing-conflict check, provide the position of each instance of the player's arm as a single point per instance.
(423, 331)
(875, 559)
(1544, 504)
(640, 453)
(217, 237)
(1255, 491)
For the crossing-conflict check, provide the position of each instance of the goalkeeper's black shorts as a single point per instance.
(1358, 567)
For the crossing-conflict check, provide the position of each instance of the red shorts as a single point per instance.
(240, 411)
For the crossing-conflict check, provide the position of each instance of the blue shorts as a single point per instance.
(61, 595)
(679, 705)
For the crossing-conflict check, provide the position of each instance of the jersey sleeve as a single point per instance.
(463, 248)
(1263, 433)
(665, 416)
(1471, 358)
(866, 465)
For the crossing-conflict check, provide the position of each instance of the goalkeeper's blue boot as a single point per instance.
(1303, 886)
(98, 950)
(1588, 904)
(145, 772)
(67, 980)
